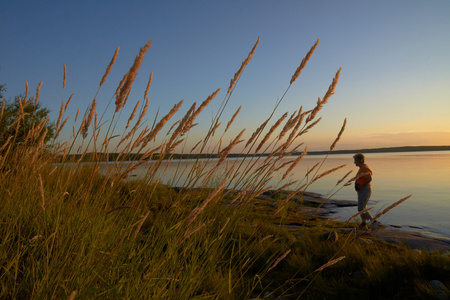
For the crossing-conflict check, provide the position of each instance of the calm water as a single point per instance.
(424, 175)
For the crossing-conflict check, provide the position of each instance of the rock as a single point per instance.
(395, 226)
(416, 227)
(440, 289)
(364, 241)
(331, 236)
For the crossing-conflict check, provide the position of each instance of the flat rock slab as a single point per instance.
(413, 239)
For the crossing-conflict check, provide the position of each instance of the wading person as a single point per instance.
(363, 186)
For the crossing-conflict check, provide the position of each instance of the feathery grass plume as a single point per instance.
(196, 211)
(196, 145)
(173, 125)
(255, 134)
(124, 90)
(121, 84)
(162, 122)
(328, 94)
(343, 178)
(312, 169)
(148, 85)
(232, 118)
(241, 69)
(191, 232)
(295, 163)
(76, 116)
(41, 190)
(173, 146)
(67, 103)
(179, 130)
(89, 118)
(356, 177)
(278, 260)
(64, 78)
(339, 135)
(330, 263)
(139, 139)
(3, 109)
(310, 126)
(272, 129)
(289, 124)
(60, 128)
(61, 112)
(140, 225)
(135, 127)
(384, 211)
(281, 166)
(132, 114)
(72, 295)
(304, 62)
(26, 92)
(38, 92)
(285, 186)
(327, 173)
(108, 69)
(358, 214)
(224, 153)
(202, 106)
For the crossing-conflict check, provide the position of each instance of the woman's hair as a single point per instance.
(359, 157)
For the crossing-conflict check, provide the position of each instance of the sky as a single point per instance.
(394, 87)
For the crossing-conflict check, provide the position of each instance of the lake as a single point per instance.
(424, 175)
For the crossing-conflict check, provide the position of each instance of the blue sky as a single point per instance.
(394, 87)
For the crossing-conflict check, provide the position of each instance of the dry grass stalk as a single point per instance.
(38, 91)
(330, 263)
(196, 145)
(121, 84)
(3, 109)
(173, 146)
(64, 78)
(356, 177)
(61, 112)
(339, 135)
(241, 69)
(358, 214)
(132, 114)
(243, 192)
(328, 94)
(224, 153)
(384, 211)
(265, 238)
(284, 165)
(61, 127)
(196, 211)
(41, 190)
(173, 125)
(343, 178)
(182, 123)
(289, 124)
(255, 134)
(224, 225)
(272, 129)
(295, 163)
(187, 235)
(232, 118)
(285, 186)
(108, 69)
(68, 101)
(89, 118)
(278, 260)
(327, 173)
(148, 85)
(202, 106)
(310, 126)
(140, 225)
(161, 123)
(124, 90)
(304, 62)
(328, 221)
(135, 127)
(72, 295)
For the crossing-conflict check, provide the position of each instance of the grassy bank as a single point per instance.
(69, 232)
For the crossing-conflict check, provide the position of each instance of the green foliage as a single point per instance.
(20, 120)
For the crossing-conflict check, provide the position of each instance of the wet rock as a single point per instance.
(331, 236)
(395, 226)
(416, 227)
(440, 289)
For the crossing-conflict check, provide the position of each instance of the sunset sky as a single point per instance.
(394, 87)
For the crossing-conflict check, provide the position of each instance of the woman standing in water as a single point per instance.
(363, 186)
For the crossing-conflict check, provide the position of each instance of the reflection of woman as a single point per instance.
(363, 186)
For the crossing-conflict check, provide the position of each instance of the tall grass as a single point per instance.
(70, 232)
